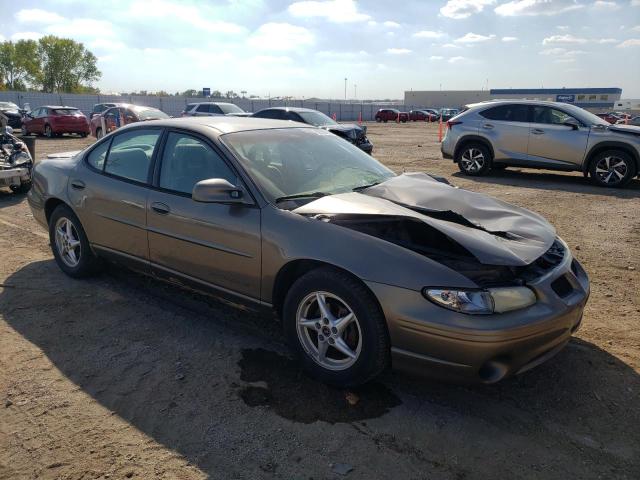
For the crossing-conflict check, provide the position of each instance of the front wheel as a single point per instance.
(22, 188)
(70, 245)
(378, 119)
(612, 168)
(335, 327)
(474, 159)
(48, 132)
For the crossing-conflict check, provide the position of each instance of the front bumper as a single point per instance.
(428, 339)
(14, 176)
(366, 147)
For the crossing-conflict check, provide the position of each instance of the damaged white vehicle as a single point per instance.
(366, 269)
(15, 163)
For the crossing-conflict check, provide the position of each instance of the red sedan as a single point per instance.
(386, 114)
(123, 114)
(422, 116)
(54, 121)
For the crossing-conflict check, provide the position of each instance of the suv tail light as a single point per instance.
(451, 123)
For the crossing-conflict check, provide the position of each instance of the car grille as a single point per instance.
(545, 263)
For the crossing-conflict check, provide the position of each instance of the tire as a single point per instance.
(22, 188)
(99, 134)
(385, 120)
(474, 159)
(86, 263)
(378, 119)
(365, 335)
(83, 135)
(48, 132)
(612, 168)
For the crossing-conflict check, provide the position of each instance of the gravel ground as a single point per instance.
(122, 376)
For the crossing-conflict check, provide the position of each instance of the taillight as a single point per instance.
(451, 123)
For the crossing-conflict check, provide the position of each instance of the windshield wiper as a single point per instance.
(301, 195)
(362, 187)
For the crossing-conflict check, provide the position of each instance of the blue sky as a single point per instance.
(307, 48)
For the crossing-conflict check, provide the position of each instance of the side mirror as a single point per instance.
(218, 190)
(573, 123)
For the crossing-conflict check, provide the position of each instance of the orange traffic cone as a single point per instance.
(440, 129)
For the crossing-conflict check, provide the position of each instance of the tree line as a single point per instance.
(51, 64)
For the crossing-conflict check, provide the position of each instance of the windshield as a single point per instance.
(316, 118)
(149, 113)
(587, 118)
(8, 106)
(66, 111)
(293, 161)
(230, 108)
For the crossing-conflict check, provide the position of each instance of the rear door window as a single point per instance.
(204, 108)
(131, 153)
(507, 113)
(550, 116)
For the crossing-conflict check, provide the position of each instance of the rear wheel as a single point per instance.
(612, 168)
(474, 159)
(83, 135)
(378, 119)
(335, 327)
(48, 132)
(99, 133)
(22, 188)
(70, 245)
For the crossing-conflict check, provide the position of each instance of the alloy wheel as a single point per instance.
(329, 330)
(611, 169)
(47, 131)
(68, 242)
(472, 160)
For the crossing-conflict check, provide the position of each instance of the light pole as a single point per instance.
(345, 89)
(355, 91)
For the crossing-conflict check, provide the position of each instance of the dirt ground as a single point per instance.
(122, 376)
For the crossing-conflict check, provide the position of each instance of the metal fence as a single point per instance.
(174, 105)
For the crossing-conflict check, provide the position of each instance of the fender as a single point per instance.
(473, 138)
(607, 144)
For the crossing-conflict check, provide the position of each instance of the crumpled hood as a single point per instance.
(495, 232)
(346, 127)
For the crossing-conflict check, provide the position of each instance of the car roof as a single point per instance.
(57, 106)
(211, 103)
(223, 124)
(290, 109)
(507, 101)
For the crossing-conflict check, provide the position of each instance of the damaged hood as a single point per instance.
(494, 232)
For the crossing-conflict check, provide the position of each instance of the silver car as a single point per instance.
(549, 135)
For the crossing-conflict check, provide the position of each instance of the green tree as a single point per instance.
(18, 63)
(190, 93)
(66, 66)
(216, 94)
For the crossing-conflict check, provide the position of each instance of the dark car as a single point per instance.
(448, 113)
(13, 114)
(212, 109)
(351, 132)
(366, 269)
(608, 117)
(422, 116)
(51, 120)
(386, 114)
(101, 107)
(123, 114)
(635, 121)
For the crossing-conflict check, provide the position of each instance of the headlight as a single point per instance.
(492, 300)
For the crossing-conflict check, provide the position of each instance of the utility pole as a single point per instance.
(355, 91)
(345, 89)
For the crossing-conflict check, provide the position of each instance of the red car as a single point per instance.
(123, 114)
(422, 116)
(609, 117)
(54, 121)
(386, 114)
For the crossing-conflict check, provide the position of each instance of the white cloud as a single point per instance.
(464, 8)
(568, 38)
(562, 55)
(632, 42)
(606, 40)
(26, 36)
(280, 36)
(635, 3)
(450, 45)
(106, 44)
(81, 27)
(553, 51)
(428, 34)
(636, 28)
(391, 34)
(436, 57)
(341, 55)
(456, 59)
(606, 5)
(398, 51)
(36, 15)
(562, 27)
(509, 39)
(516, 8)
(391, 24)
(474, 38)
(372, 23)
(337, 11)
(1, 38)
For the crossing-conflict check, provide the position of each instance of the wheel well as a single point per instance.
(50, 205)
(295, 269)
(601, 148)
(467, 140)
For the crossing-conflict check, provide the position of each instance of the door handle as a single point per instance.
(77, 184)
(488, 126)
(161, 208)
(537, 131)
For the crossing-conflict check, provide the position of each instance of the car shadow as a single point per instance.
(8, 198)
(547, 180)
(177, 370)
